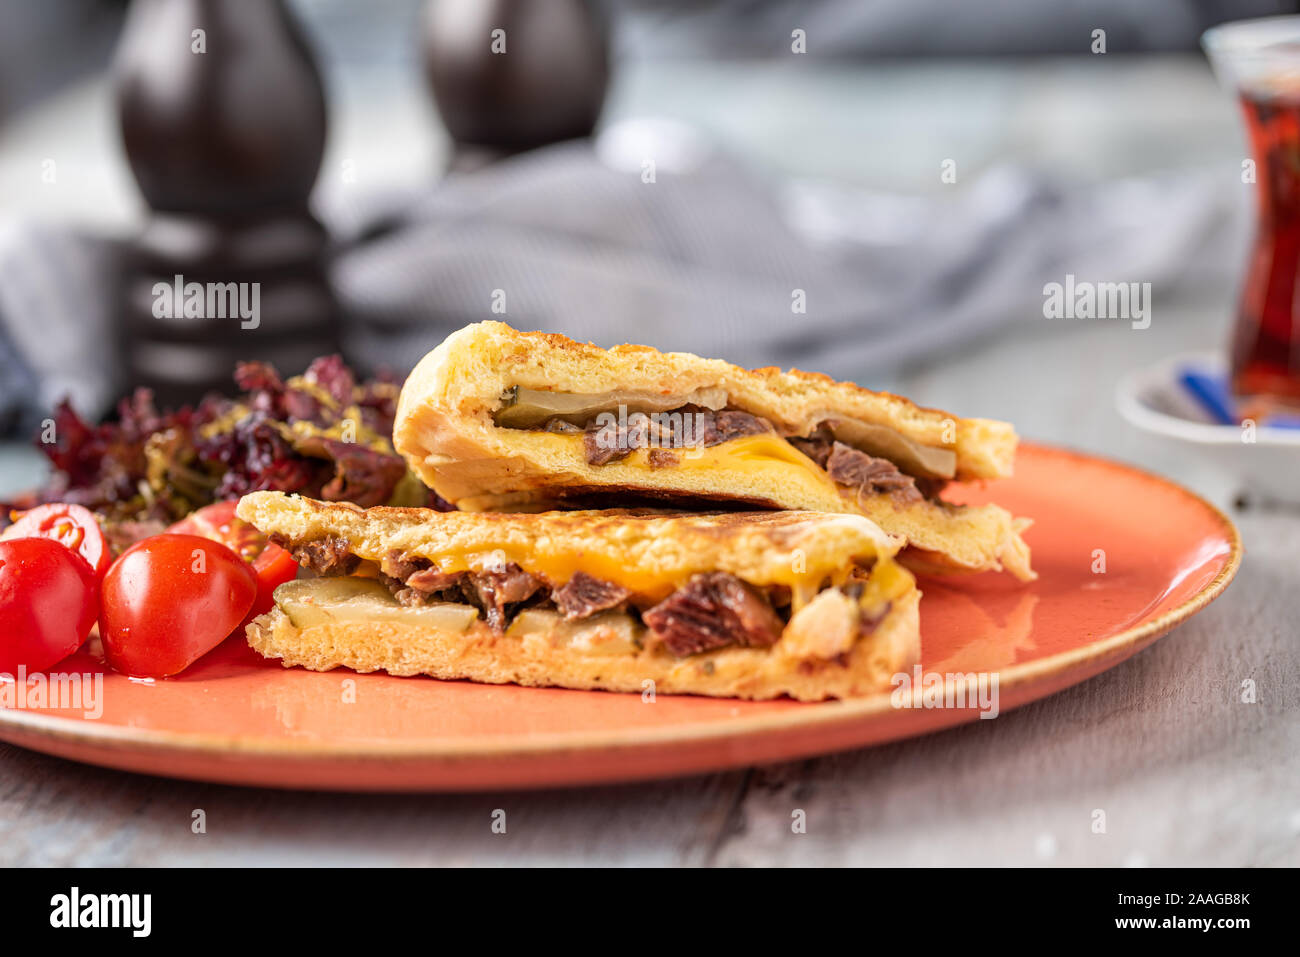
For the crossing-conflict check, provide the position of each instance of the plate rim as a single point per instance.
(809, 716)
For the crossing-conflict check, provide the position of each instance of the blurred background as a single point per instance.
(877, 189)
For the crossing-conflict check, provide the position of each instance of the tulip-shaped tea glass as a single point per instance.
(1259, 60)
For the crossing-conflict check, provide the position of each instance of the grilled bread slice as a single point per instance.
(732, 604)
(495, 419)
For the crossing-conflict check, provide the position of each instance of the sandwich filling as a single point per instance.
(854, 455)
(708, 611)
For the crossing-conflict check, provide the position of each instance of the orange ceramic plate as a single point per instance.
(236, 718)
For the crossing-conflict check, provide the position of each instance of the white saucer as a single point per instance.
(1155, 401)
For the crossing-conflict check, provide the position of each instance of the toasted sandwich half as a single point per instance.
(495, 419)
(731, 604)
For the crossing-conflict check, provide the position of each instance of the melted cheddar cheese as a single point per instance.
(558, 561)
(749, 453)
(558, 565)
(769, 454)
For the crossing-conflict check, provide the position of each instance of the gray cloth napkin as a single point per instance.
(56, 333)
(707, 258)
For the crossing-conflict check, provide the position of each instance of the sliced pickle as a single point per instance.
(911, 457)
(533, 408)
(608, 633)
(533, 620)
(322, 601)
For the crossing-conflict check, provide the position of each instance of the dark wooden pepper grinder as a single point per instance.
(222, 116)
(513, 75)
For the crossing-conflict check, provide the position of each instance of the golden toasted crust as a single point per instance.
(945, 539)
(458, 386)
(809, 662)
(942, 538)
(445, 429)
(759, 547)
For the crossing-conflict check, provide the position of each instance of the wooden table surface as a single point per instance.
(1185, 772)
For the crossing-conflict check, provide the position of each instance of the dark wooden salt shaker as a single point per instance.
(222, 115)
(513, 75)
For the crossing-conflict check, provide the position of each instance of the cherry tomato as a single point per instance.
(48, 601)
(273, 568)
(169, 600)
(71, 525)
(219, 523)
(272, 564)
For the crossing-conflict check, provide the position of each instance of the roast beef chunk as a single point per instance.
(430, 580)
(414, 581)
(662, 458)
(397, 564)
(604, 443)
(324, 556)
(427, 586)
(600, 449)
(406, 596)
(852, 466)
(718, 427)
(687, 427)
(585, 595)
(711, 611)
(819, 450)
(931, 488)
(496, 589)
(856, 469)
(817, 445)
